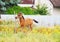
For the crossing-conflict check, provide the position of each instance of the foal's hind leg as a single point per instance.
(31, 26)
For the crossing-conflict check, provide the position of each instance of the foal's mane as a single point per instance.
(19, 14)
(23, 17)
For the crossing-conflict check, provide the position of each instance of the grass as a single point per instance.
(38, 34)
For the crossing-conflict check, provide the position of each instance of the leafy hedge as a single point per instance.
(27, 10)
(42, 10)
(17, 9)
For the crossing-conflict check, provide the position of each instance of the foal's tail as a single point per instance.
(35, 21)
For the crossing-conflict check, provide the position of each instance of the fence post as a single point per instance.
(0, 16)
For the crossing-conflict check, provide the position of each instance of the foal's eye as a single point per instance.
(15, 17)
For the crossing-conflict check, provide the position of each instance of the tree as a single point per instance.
(4, 4)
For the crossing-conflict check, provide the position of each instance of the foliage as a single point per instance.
(42, 10)
(9, 6)
(4, 4)
(27, 10)
(17, 9)
(11, 10)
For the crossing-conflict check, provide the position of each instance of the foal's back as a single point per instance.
(28, 21)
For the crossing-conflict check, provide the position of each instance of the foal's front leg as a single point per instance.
(22, 27)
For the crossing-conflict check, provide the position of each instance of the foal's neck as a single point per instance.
(22, 19)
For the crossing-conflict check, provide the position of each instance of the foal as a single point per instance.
(25, 22)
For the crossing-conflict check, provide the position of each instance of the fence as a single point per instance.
(42, 20)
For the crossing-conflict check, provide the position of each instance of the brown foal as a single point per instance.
(25, 22)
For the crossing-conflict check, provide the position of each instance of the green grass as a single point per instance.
(7, 34)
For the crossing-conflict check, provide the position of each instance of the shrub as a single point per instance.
(17, 9)
(42, 10)
(11, 10)
(27, 10)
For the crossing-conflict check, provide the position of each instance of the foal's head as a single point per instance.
(20, 15)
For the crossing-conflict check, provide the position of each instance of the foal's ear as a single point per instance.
(20, 14)
(23, 17)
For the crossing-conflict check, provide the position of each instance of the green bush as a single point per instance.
(11, 10)
(17, 9)
(42, 10)
(27, 10)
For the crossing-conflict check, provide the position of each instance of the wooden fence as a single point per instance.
(44, 20)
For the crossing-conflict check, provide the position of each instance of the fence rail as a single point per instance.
(43, 20)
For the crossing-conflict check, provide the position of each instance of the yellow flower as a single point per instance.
(56, 31)
(57, 26)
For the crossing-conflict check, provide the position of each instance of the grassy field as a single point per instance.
(38, 34)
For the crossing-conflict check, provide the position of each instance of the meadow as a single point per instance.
(38, 34)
